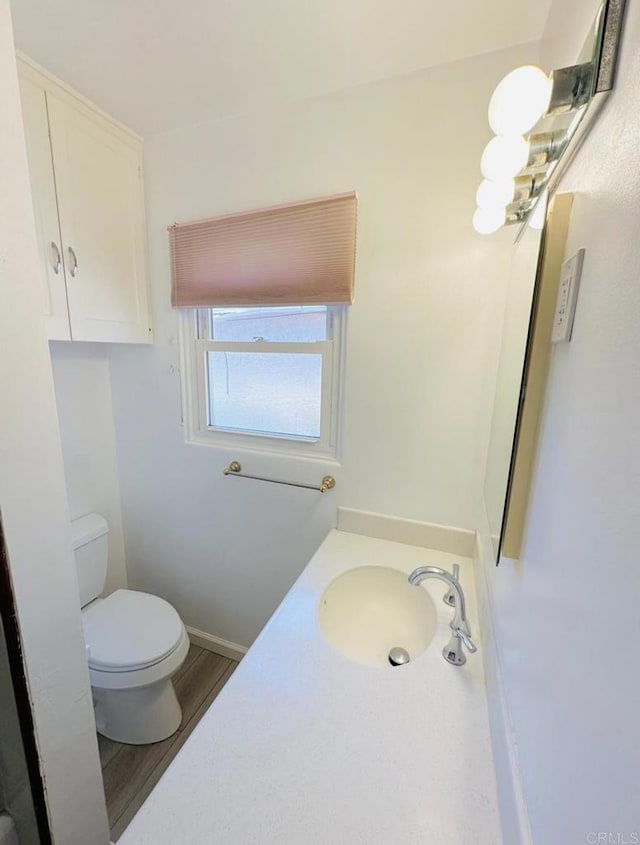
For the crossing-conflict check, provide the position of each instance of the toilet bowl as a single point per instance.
(135, 643)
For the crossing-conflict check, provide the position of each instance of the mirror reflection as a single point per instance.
(520, 292)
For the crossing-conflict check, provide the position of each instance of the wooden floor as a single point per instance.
(131, 771)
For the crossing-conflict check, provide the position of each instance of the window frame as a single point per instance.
(195, 393)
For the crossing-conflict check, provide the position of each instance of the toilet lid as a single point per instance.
(130, 630)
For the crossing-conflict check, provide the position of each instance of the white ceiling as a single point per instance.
(158, 65)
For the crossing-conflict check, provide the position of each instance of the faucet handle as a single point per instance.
(450, 597)
(466, 639)
(453, 652)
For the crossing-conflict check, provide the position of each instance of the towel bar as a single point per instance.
(235, 468)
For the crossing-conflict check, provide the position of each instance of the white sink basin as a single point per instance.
(367, 611)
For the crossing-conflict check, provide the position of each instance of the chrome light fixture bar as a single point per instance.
(539, 121)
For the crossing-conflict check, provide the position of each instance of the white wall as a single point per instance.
(566, 616)
(422, 336)
(35, 516)
(85, 415)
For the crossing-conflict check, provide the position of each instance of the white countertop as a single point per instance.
(304, 746)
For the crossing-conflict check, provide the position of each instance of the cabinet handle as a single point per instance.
(56, 262)
(74, 262)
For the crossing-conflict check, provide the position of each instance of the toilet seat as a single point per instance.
(130, 631)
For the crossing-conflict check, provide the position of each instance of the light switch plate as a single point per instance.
(567, 298)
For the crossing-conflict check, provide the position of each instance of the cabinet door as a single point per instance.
(101, 208)
(43, 191)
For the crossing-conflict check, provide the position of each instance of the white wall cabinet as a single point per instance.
(88, 198)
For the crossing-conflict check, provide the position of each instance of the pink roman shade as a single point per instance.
(297, 254)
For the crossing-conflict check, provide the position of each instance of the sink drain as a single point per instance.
(398, 656)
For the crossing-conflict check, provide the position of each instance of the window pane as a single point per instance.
(302, 324)
(271, 393)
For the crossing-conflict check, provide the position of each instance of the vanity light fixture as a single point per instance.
(527, 94)
(502, 192)
(507, 155)
(489, 220)
(536, 117)
(515, 169)
(504, 201)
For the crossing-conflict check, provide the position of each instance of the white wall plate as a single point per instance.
(567, 298)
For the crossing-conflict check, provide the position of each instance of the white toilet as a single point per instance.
(135, 643)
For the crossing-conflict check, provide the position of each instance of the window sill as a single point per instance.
(268, 449)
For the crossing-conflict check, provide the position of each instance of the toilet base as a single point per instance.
(138, 716)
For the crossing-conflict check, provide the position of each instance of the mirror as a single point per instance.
(522, 374)
(537, 257)
(515, 329)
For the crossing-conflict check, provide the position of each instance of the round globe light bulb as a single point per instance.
(488, 220)
(493, 194)
(520, 100)
(504, 156)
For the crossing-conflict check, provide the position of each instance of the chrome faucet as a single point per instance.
(450, 597)
(461, 634)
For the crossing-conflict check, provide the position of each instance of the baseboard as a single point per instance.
(443, 538)
(514, 818)
(216, 644)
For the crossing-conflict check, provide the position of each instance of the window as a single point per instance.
(263, 296)
(264, 377)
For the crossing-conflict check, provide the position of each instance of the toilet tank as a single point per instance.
(91, 549)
